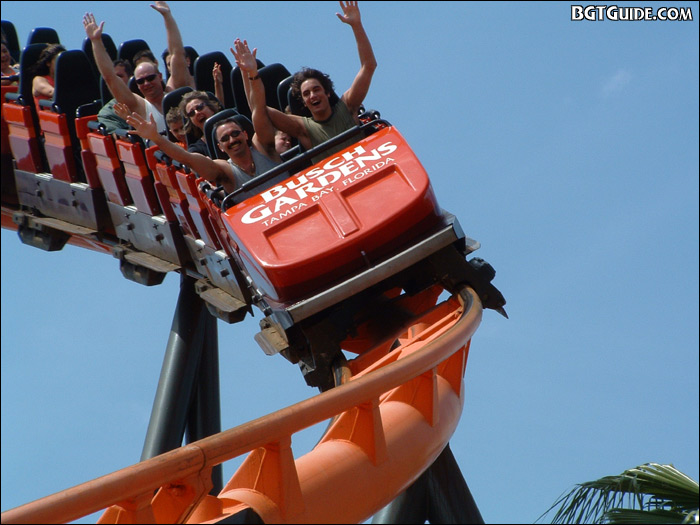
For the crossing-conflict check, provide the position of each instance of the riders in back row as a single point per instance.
(248, 156)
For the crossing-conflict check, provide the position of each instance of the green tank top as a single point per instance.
(319, 132)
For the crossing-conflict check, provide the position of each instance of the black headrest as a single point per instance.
(271, 76)
(109, 46)
(12, 42)
(173, 98)
(203, 79)
(75, 84)
(128, 49)
(239, 98)
(43, 35)
(28, 58)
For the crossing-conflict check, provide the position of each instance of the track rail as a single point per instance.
(390, 421)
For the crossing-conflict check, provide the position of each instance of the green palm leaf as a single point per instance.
(650, 493)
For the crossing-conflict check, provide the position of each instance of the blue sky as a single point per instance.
(568, 149)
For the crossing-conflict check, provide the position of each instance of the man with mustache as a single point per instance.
(245, 161)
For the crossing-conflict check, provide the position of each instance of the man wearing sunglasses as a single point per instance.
(146, 74)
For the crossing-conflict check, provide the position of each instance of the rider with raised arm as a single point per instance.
(146, 74)
(244, 163)
(314, 89)
(255, 93)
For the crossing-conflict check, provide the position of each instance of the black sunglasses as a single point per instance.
(149, 78)
(230, 136)
(198, 107)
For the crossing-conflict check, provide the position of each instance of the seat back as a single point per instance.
(154, 160)
(139, 178)
(8, 29)
(75, 86)
(85, 121)
(283, 92)
(271, 76)
(173, 98)
(29, 57)
(90, 54)
(109, 168)
(203, 79)
(164, 172)
(74, 83)
(198, 211)
(21, 116)
(129, 48)
(43, 35)
(228, 245)
(239, 98)
(5, 132)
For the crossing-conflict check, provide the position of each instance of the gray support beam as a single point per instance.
(204, 417)
(411, 506)
(450, 499)
(178, 374)
(439, 495)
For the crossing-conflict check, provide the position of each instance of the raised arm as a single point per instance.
(117, 86)
(179, 72)
(204, 166)
(354, 96)
(218, 78)
(264, 138)
(291, 124)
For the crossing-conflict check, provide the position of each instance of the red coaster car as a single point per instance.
(335, 218)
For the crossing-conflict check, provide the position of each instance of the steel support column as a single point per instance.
(439, 495)
(204, 418)
(171, 406)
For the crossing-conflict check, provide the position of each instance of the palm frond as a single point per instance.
(658, 492)
(649, 517)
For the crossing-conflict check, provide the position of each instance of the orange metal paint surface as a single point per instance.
(199, 211)
(138, 176)
(380, 439)
(23, 137)
(109, 168)
(335, 217)
(4, 134)
(166, 174)
(57, 145)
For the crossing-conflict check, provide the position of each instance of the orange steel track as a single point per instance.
(390, 421)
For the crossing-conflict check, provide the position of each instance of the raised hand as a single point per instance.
(92, 30)
(216, 73)
(162, 7)
(244, 58)
(145, 129)
(351, 13)
(121, 110)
